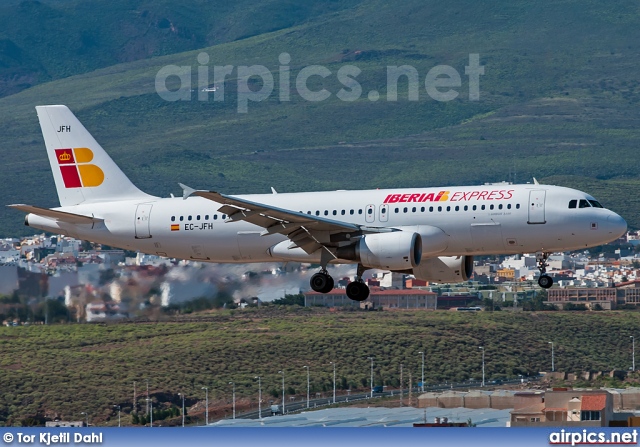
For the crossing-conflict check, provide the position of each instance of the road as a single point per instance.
(299, 405)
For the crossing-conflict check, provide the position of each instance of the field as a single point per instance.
(66, 369)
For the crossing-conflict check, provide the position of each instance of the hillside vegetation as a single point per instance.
(89, 367)
(558, 100)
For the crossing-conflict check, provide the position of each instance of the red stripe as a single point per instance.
(70, 176)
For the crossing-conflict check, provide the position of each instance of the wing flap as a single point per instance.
(56, 214)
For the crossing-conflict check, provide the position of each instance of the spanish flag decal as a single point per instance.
(175, 227)
(76, 170)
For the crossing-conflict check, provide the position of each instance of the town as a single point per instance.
(47, 279)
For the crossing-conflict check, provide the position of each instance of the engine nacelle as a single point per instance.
(397, 250)
(445, 269)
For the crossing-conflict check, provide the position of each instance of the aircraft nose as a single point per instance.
(617, 225)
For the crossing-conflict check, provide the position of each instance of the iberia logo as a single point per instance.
(76, 170)
(442, 196)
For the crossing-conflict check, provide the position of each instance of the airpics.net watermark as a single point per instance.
(441, 83)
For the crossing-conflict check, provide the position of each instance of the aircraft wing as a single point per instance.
(306, 231)
(55, 214)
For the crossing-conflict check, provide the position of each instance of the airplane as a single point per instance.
(431, 233)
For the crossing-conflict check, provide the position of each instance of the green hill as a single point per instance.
(558, 100)
(90, 367)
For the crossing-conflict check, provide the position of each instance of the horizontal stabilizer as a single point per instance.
(55, 214)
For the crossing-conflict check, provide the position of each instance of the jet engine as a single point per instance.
(397, 250)
(445, 269)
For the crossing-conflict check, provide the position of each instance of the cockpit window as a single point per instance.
(595, 204)
(573, 203)
(584, 204)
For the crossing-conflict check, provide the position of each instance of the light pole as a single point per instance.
(371, 358)
(234, 398)
(482, 349)
(259, 398)
(147, 380)
(553, 360)
(307, 368)
(282, 372)
(334, 381)
(422, 387)
(633, 353)
(118, 407)
(206, 410)
(151, 414)
(87, 416)
(182, 394)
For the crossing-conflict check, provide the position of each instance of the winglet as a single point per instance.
(273, 190)
(186, 191)
(535, 182)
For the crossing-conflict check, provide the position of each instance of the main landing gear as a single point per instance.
(322, 282)
(357, 290)
(545, 281)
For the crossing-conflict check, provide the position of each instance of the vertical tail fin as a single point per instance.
(82, 170)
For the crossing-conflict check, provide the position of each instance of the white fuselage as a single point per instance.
(490, 219)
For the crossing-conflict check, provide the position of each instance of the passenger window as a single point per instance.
(335, 213)
(439, 209)
(198, 217)
(573, 203)
(181, 218)
(490, 207)
(482, 208)
(397, 210)
(343, 212)
(326, 212)
(173, 218)
(317, 213)
(405, 209)
(224, 216)
(475, 207)
(431, 209)
(457, 208)
(466, 208)
(351, 212)
(584, 204)
(413, 210)
(206, 217)
(308, 212)
(448, 208)
(508, 206)
(517, 206)
(370, 211)
(215, 217)
(360, 211)
(384, 211)
(500, 206)
(189, 218)
(422, 209)
(595, 204)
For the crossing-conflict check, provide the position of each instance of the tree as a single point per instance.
(291, 300)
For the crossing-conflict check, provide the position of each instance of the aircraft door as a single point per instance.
(370, 213)
(536, 207)
(143, 222)
(384, 213)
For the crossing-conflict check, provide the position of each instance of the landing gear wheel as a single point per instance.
(545, 281)
(321, 282)
(357, 291)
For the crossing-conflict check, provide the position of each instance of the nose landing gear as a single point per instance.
(545, 281)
